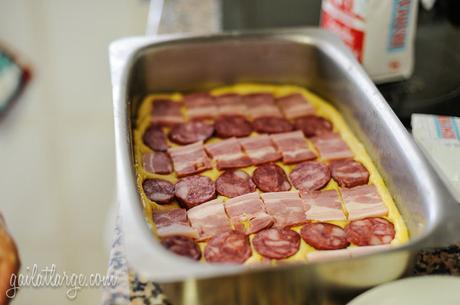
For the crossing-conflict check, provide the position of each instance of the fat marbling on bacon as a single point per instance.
(200, 105)
(228, 154)
(293, 147)
(260, 149)
(189, 159)
(323, 205)
(286, 208)
(209, 219)
(247, 213)
(173, 222)
(166, 112)
(231, 104)
(363, 201)
(294, 106)
(262, 105)
(332, 147)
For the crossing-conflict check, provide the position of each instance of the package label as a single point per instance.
(399, 24)
(446, 128)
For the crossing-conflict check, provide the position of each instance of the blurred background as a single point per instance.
(56, 142)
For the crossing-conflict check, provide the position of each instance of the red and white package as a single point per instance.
(380, 33)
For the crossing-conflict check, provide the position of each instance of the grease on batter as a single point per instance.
(322, 108)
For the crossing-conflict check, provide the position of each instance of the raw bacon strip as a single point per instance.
(231, 104)
(276, 243)
(158, 190)
(271, 178)
(294, 106)
(260, 149)
(155, 138)
(310, 176)
(363, 201)
(312, 125)
(200, 106)
(172, 223)
(157, 163)
(166, 112)
(209, 219)
(228, 154)
(228, 126)
(247, 213)
(189, 159)
(270, 124)
(293, 147)
(323, 206)
(370, 232)
(191, 132)
(349, 173)
(228, 247)
(194, 190)
(233, 183)
(182, 246)
(324, 236)
(262, 105)
(332, 147)
(286, 208)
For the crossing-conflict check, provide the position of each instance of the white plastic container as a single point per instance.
(380, 33)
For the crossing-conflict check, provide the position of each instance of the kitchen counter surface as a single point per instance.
(133, 290)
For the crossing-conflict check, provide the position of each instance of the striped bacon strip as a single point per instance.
(332, 147)
(295, 106)
(260, 149)
(228, 154)
(173, 222)
(286, 208)
(247, 213)
(293, 147)
(323, 205)
(262, 105)
(209, 219)
(200, 106)
(189, 159)
(166, 112)
(363, 201)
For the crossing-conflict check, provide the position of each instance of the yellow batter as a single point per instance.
(323, 109)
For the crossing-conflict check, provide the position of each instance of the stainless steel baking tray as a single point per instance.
(306, 57)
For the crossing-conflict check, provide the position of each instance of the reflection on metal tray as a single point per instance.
(305, 57)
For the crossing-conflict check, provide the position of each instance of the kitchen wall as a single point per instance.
(56, 145)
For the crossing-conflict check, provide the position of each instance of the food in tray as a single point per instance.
(256, 173)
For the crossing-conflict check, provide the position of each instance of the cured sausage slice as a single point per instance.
(191, 132)
(271, 124)
(310, 176)
(276, 243)
(194, 190)
(228, 247)
(370, 231)
(228, 126)
(324, 236)
(155, 138)
(233, 183)
(271, 178)
(183, 246)
(349, 173)
(312, 125)
(157, 162)
(158, 190)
